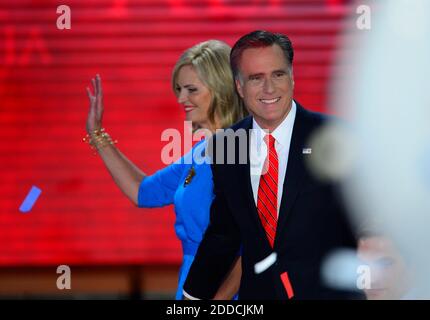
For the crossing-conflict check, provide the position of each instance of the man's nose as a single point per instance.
(268, 86)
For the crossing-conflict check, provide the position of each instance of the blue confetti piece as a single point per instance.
(30, 200)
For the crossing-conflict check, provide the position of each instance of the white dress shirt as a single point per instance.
(258, 151)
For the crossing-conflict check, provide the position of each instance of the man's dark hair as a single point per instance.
(259, 39)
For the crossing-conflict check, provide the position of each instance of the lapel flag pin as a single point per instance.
(307, 150)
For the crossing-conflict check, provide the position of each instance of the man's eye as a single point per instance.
(279, 74)
(254, 78)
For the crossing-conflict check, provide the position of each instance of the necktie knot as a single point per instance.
(269, 140)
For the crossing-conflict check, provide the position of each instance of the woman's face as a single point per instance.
(194, 96)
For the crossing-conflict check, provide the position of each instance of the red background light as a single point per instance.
(81, 217)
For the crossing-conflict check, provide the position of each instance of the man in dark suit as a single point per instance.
(275, 205)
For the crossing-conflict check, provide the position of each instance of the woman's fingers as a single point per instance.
(92, 110)
(91, 97)
(93, 82)
(89, 93)
(99, 85)
(96, 106)
(99, 97)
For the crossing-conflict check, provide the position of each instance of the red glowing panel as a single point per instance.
(81, 217)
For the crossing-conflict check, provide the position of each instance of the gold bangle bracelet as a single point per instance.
(98, 139)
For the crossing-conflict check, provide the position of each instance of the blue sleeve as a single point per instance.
(159, 189)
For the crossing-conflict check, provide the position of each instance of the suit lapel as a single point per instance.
(294, 172)
(245, 172)
(249, 202)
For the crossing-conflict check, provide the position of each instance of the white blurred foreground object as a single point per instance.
(377, 269)
(265, 264)
(390, 277)
(341, 270)
(387, 99)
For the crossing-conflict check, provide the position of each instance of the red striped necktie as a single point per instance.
(267, 201)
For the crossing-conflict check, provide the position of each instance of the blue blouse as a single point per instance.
(192, 201)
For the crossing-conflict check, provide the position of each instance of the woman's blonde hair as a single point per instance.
(211, 61)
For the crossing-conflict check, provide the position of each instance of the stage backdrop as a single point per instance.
(81, 217)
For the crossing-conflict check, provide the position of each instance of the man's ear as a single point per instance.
(239, 87)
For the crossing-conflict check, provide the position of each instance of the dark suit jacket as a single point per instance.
(311, 223)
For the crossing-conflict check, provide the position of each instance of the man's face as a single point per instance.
(266, 85)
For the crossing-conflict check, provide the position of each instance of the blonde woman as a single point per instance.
(203, 84)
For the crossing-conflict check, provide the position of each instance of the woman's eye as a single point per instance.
(191, 90)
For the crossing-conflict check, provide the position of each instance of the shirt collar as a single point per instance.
(281, 133)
